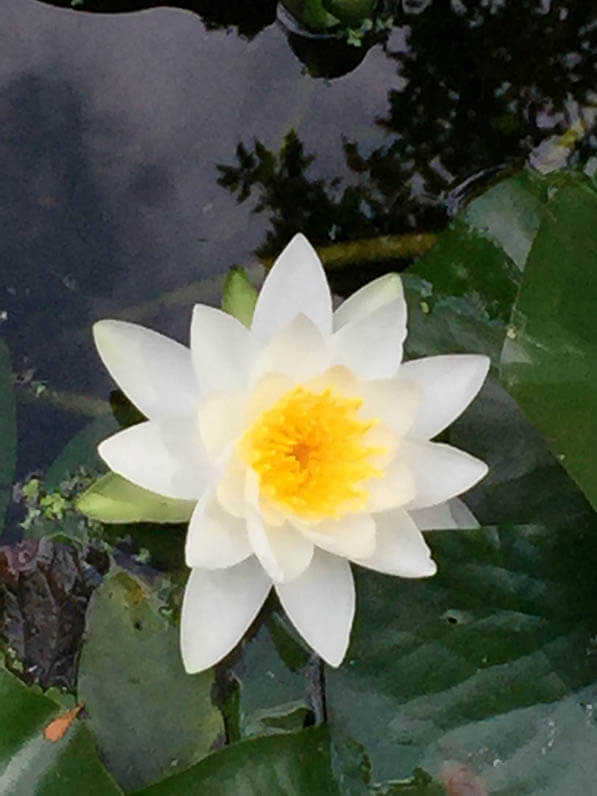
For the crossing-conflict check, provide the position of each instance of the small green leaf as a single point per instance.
(8, 431)
(239, 295)
(296, 764)
(31, 763)
(149, 717)
(113, 499)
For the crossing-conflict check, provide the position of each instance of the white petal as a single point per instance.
(215, 539)
(445, 516)
(372, 346)
(440, 472)
(463, 516)
(231, 488)
(222, 350)
(434, 518)
(296, 284)
(394, 402)
(400, 548)
(222, 419)
(283, 551)
(369, 298)
(165, 457)
(154, 372)
(218, 606)
(320, 604)
(448, 385)
(351, 537)
(297, 351)
(396, 488)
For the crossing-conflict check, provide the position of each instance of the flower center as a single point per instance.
(311, 454)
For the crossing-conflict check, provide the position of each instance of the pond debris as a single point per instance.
(58, 727)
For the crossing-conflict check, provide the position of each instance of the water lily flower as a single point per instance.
(305, 442)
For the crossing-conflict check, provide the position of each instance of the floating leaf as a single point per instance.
(490, 663)
(80, 452)
(239, 295)
(31, 763)
(113, 499)
(278, 765)
(148, 716)
(549, 361)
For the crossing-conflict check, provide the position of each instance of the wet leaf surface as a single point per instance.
(8, 431)
(148, 716)
(549, 360)
(32, 763)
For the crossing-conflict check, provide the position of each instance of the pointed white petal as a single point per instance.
(218, 606)
(372, 346)
(440, 472)
(434, 518)
(231, 488)
(154, 372)
(445, 516)
(222, 350)
(284, 553)
(320, 604)
(351, 537)
(448, 385)
(297, 351)
(369, 298)
(215, 539)
(396, 488)
(222, 419)
(400, 548)
(296, 284)
(394, 402)
(463, 516)
(165, 457)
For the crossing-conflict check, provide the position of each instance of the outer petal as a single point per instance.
(369, 298)
(446, 516)
(165, 457)
(154, 372)
(400, 548)
(283, 552)
(448, 385)
(440, 472)
(297, 351)
(215, 539)
(222, 350)
(296, 284)
(320, 604)
(372, 346)
(218, 606)
(351, 537)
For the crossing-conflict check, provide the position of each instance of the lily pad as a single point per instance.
(549, 361)
(149, 717)
(278, 765)
(489, 663)
(35, 758)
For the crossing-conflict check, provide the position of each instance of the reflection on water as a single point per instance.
(142, 151)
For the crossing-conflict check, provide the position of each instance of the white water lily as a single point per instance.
(305, 441)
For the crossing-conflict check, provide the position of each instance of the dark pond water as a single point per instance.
(115, 128)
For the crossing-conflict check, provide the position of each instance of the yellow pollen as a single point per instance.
(311, 454)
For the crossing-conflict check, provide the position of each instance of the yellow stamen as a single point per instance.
(311, 454)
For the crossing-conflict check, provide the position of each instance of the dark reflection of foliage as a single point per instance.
(323, 209)
(248, 18)
(477, 84)
(478, 90)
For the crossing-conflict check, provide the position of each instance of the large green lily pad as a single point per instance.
(30, 763)
(149, 717)
(549, 361)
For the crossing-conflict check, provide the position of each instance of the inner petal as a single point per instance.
(313, 453)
